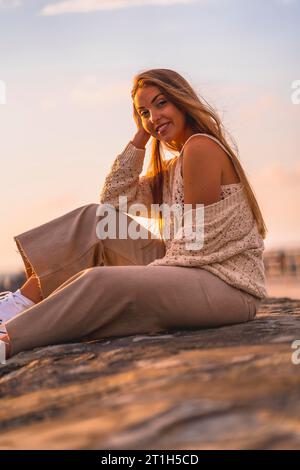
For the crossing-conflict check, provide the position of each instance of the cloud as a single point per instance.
(286, 2)
(10, 3)
(48, 103)
(260, 105)
(90, 93)
(87, 6)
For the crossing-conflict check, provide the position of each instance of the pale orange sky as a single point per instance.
(68, 109)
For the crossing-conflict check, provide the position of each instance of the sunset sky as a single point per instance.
(68, 67)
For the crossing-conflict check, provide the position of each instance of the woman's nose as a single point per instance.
(154, 116)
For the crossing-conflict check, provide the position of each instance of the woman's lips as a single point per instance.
(163, 129)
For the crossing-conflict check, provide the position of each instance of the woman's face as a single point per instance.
(155, 109)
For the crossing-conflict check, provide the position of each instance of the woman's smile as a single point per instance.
(163, 129)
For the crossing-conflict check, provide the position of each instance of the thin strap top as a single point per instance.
(207, 135)
(211, 137)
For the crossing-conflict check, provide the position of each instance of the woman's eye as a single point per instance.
(160, 102)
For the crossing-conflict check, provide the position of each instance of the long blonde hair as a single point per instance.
(201, 118)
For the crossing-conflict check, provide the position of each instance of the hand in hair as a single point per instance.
(144, 135)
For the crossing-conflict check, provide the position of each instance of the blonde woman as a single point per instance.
(82, 287)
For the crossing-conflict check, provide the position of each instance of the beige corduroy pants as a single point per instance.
(96, 288)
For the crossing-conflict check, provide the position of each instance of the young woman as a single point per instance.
(83, 287)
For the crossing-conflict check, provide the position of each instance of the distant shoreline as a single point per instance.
(284, 286)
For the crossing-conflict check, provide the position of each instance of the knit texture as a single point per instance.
(232, 246)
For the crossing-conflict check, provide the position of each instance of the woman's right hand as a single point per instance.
(143, 134)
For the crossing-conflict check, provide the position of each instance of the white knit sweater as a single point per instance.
(232, 248)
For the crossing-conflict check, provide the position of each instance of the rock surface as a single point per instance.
(234, 387)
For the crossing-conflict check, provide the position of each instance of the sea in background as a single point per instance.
(283, 286)
(282, 267)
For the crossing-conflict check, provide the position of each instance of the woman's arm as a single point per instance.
(202, 171)
(124, 178)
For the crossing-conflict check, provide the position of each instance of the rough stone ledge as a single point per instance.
(234, 387)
